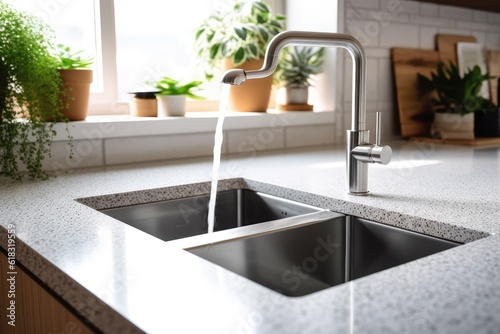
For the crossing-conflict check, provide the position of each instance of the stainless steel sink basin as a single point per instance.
(186, 217)
(305, 259)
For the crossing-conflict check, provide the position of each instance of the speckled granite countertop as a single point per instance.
(124, 280)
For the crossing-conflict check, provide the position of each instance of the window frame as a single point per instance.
(106, 102)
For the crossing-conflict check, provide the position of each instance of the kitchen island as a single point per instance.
(122, 280)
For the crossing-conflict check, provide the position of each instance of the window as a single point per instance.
(153, 40)
(133, 41)
(74, 25)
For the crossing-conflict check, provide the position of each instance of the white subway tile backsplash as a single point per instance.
(386, 106)
(401, 6)
(480, 37)
(387, 125)
(454, 31)
(428, 37)
(365, 31)
(401, 18)
(400, 23)
(479, 15)
(492, 41)
(476, 26)
(251, 140)
(385, 80)
(378, 53)
(299, 136)
(363, 3)
(432, 21)
(428, 9)
(493, 18)
(154, 148)
(399, 35)
(371, 105)
(357, 13)
(372, 80)
(455, 12)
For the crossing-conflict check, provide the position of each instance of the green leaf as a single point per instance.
(261, 19)
(239, 56)
(198, 33)
(213, 50)
(169, 86)
(260, 6)
(241, 32)
(264, 34)
(253, 50)
(210, 37)
(234, 27)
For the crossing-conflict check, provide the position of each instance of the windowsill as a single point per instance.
(125, 126)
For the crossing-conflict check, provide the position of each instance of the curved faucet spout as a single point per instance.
(358, 152)
(320, 39)
(234, 77)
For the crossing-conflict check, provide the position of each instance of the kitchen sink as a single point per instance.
(300, 260)
(290, 247)
(186, 217)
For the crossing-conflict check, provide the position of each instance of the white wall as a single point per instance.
(383, 24)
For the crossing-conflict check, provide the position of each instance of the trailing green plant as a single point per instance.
(169, 86)
(69, 60)
(239, 31)
(29, 93)
(297, 64)
(457, 94)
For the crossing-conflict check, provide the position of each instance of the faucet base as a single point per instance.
(356, 171)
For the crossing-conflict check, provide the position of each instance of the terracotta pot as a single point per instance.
(144, 104)
(453, 126)
(252, 95)
(143, 107)
(77, 91)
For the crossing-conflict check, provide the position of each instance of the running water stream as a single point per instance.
(224, 99)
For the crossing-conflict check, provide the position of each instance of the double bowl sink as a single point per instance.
(290, 247)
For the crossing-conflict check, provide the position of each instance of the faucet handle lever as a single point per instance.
(380, 154)
(378, 126)
(377, 153)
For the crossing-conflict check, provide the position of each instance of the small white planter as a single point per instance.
(171, 105)
(453, 126)
(296, 94)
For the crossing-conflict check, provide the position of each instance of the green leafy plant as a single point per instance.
(29, 93)
(297, 64)
(457, 94)
(239, 31)
(69, 60)
(169, 86)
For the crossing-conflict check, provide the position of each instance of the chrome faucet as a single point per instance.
(359, 152)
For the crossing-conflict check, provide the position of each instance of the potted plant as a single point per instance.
(172, 96)
(30, 86)
(457, 100)
(76, 78)
(237, 36)
(293, 76)
(144, 103)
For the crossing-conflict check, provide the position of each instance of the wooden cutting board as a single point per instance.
(447, 46)
(415, 111)
(493, 64)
